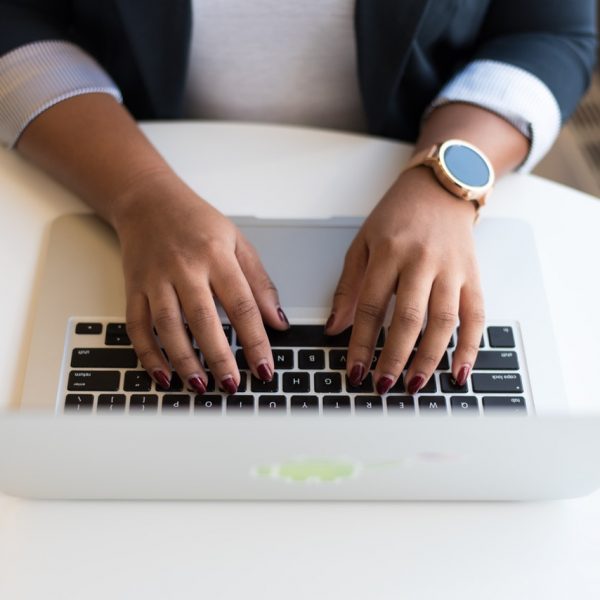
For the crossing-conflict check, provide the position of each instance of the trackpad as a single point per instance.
(304, 259)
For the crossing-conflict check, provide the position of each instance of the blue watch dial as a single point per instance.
(466, 165)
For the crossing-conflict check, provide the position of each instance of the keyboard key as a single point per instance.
(429, 388)
(176, 403)
(491, 360)
(497, 382)
(365, 386)
(116, 335)
(448, 384)
(462, 405)
(176, 384)
(400, 405)
(296, 382)
(240, 359)
(240, 404)
(432, 405)
(243, 381)
(501, 337)
(116, 329)
(375, 358)
(364, 404)
(143, 403)
(88, 328)
(311, 359)
(208, 403)
(328, 383)
(272, 404)
(311, 336)
(137, 381)
(111, 403)
(104, 358)
(337, 360)
(283, 359)
(264, 387)
(79, 402)
(504, 404)
(94, 381)
(398, 387)
(307, 404)
(336, 404)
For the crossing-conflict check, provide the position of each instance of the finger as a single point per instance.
(412, 296)
(166, 314)
(203, 319)
(347, 291)
(371, 307)
(263, 288)
(442, 317)
(139, 330)
(235, 295)
(472, 320)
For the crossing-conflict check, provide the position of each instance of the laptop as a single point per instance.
(310, 419)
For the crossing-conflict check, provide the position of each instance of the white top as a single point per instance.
(349, 551)
(286, 62)
(275, 62)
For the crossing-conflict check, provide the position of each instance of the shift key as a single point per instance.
(497, 382)
(94, 381)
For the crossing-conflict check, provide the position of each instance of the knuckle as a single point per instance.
(253, 343)
(200, 317)
(135, 326)
(165, 318)
(145, 354)
(244, 308)
(370, 311)
(219, 361)
(427, 360)
(393, 363)
(476, 316)
(444, 318)
(185, 361)
(409, 316)
(467, 348)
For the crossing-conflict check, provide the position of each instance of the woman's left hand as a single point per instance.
(418, 244)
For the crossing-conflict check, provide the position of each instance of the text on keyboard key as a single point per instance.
(368, 404)
(501, 337)
(176, 403)
(111, 403)
(208, 403)
(307, 404)
(296, 382)
(79, 402)
(143, 403)
(497, 382)
(94, 381)
(103, 358)
(336, 404)
(400, 404)
(496, 360)
(504, 404)
(432, 405)
(272, 404)
(311, 359)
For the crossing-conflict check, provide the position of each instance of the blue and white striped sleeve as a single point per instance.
(36, 76)
(513, 93)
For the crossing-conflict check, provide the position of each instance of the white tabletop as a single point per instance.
(355, 550)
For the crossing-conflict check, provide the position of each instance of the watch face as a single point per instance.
(466, 165)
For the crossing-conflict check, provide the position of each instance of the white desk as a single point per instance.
(92, 550)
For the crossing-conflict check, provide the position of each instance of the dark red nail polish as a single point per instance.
(330, 321)
(415, 384)
(264, 372)
(357, 374)
(384, 384)
(282, 316)
(161, 378)
(197, 384)
(228, 384)
(463, 374)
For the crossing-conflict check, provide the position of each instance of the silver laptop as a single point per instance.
(304, 426)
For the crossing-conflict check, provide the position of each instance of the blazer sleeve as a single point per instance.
(39, 66)
(555, 40)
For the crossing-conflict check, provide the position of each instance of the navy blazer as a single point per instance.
(407, 49)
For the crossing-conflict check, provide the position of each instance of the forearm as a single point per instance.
(504, 145)
(93, 146)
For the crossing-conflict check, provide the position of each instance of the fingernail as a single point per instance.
(330, 321)
(228, 384)
(282, 316)
(384, 384)
(264, 372)
(197, 384)
(357, 374)
(161, 379)
(415, 384)
(463, 375)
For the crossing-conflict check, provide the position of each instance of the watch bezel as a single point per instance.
(456, 186)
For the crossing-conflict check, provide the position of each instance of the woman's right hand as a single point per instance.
(179, 255)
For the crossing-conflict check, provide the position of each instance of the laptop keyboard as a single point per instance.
(102, 375)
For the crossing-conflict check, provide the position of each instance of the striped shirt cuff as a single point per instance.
(36, 76)
(512, 93)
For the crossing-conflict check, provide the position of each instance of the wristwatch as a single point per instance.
(460, 167)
